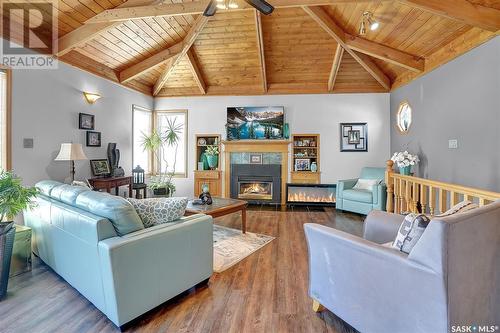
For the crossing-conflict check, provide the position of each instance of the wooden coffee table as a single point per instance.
(221, 207)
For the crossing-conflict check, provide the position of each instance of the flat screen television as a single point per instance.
(261, 122)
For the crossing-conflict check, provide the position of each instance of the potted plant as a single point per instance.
(212, 154)
(404, 161)
(161, 181)
(14, 198)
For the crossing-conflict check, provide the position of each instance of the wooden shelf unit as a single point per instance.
(212, 178)
(305, 146)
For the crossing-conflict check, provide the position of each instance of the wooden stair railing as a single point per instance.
(413, 194)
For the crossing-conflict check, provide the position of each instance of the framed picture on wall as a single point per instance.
(93, 139)
(86, 121)
(255, 158)
(353, 137)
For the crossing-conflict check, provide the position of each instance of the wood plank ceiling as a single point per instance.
(299, 48)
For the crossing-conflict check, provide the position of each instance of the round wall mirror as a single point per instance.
(404, 117)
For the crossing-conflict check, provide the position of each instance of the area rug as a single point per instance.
(231, 246)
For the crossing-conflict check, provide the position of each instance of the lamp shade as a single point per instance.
(71, 152)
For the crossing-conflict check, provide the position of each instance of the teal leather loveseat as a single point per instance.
(77, 233)
(362, 201)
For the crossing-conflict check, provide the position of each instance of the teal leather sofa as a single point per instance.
(77, 233)
(362, 201)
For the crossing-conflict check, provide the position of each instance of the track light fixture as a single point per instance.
(369, 21)
(262, 6)
(211, 9)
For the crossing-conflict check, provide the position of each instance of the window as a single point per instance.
(175, 156)
(142, 125)
(5, 119)
(404, 117)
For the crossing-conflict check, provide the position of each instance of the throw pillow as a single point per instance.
(155, 211)
(366, 184)
(461, 207)
(410, 232)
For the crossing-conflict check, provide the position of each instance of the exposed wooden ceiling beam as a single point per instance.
(329, 25)
(193, 33)
(195, 70)
(165, 75)
(157, 59)
(386, 53)
(337, 59)
(87, 32)
(486, 18)
(192, 8)
(260, 47)
(141, 12)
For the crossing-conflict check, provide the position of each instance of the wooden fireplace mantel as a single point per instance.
(256, 146)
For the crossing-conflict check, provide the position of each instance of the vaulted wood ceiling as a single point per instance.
(305, 46)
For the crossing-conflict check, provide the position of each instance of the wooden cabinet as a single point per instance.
(212, 178)
(305, 154)
(306, 177)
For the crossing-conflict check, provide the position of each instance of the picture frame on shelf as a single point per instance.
(255, 158)
(302, 164)
(93, 139)
(86, 121)
(353, 137)
(100, 167)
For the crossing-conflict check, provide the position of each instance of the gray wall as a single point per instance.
(45, 107)
(460, 100)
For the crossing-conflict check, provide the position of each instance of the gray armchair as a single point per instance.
(451, 277)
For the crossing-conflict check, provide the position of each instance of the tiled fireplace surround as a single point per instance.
(274, 155)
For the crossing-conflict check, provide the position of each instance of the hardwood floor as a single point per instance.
(266, 292)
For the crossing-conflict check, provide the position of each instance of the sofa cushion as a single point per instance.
(46, 186)
(410, 231)
(358, 195)
(67, 193)
(116, 209)
(156, 211)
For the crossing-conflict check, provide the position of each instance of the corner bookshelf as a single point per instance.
(305, 151)
(212, 178)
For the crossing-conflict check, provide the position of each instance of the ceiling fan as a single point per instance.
(261, 5)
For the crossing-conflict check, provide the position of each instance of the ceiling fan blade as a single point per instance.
(211, 9)
(261, 5)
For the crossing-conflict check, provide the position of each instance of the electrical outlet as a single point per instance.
(453, 144)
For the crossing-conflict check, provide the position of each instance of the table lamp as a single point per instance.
(71, 152)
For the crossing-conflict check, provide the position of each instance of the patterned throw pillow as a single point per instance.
(410, 232)
(155, 211)
(461, 207)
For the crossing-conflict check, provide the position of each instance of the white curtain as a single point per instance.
(3, 119)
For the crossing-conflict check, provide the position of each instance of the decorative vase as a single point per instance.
(212, 161)
(7, 234)
(203, 159)
(405, 170)
(314, 167)
(286, 131)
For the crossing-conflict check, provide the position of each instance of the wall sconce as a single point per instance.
(90, 97)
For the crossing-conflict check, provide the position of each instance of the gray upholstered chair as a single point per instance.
(451, 276)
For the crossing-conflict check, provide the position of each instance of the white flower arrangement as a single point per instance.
(404, 159)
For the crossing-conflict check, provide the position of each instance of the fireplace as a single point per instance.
(255, 190)
(256, 183)
(311, 194)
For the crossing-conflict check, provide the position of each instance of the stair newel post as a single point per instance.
(389, 181)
